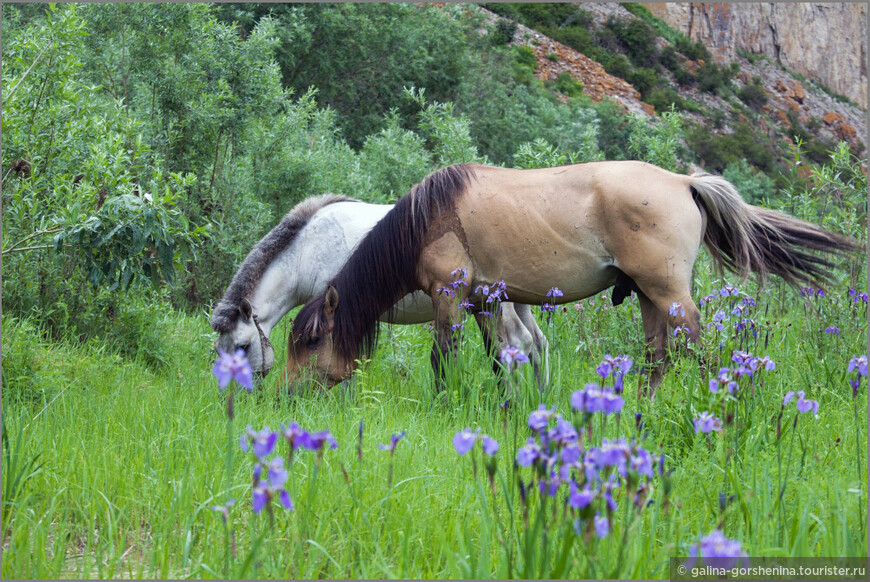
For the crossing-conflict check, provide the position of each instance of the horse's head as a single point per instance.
(311, 349)
(246, 334)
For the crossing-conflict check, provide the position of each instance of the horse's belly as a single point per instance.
(533, 254)
(530, 277)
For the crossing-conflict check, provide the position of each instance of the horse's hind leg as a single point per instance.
(659, 318)
(655, 330)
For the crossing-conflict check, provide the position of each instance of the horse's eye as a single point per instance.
(313, 343)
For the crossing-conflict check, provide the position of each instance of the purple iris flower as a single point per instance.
(611, 402)
(276, 473)
(464, 440)
(224, 509)
(263, 442)
(677, 309)
(803, 403)
(260, 496)
(729, 290)
(527, 454)
(284, 499)
(641, 462)
(295, 435)
(563, 433)
(315, 441)
(717, 551)
(233, 367)
(857, 296)
(612, 452)
(602, 526)
(570, 454)
(489, 444)
(858, 364)
(394, 440)
(580, 498)
(540, 418)
(706, 423)
(766, 363)
(833, 330)
(723, 379)
(605, 367)
(718, 318)
(264, 492)
(511, 356)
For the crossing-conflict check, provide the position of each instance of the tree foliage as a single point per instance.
(147, 147)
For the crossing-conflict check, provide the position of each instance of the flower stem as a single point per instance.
(858, 463)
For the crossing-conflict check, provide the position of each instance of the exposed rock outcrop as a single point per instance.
(822, 41)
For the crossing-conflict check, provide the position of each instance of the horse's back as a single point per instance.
(576, 224)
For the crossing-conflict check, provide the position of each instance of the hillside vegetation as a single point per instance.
(147, 147)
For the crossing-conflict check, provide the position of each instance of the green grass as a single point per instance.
(127, 461)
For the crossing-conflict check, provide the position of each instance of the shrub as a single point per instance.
(504, 31)
(525, 56)
(663, 98)
(567, 85)
(694, 51)
(753, 94)
(657, 143)
(713, 78)
(669, 59)
(638, 38)
(643, 80)
(752, 184)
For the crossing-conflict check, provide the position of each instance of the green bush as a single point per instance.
(694, 51)
(752, 184)
(669, 59)
(713, 78)
(753, 94)
(718, 151)
(525, 56)
(638, 38)
(503, 32)
(567, 85)
(662, 98)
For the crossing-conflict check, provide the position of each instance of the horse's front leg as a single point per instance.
(447, 317)
(540, 354)
(492, 339)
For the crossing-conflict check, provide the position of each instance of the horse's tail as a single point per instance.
(747, 239)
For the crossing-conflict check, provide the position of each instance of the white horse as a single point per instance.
(299, 257)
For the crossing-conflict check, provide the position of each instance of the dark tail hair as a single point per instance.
(383, 268)
(747, 239)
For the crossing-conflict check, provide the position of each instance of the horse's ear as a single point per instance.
(246, 310)
(330, 304)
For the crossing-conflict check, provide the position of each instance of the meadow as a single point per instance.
(122, 457)
(113, 469)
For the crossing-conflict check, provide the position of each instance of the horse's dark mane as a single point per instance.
(383, 268)
(246, 279)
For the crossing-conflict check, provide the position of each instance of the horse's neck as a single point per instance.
(277, 292)
(314, 257)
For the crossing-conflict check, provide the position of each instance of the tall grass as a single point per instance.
(119, 465)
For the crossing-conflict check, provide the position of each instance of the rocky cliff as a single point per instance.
(822, 41)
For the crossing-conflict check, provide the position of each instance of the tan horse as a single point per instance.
(581, 228)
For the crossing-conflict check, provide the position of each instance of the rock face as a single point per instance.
(822, 41)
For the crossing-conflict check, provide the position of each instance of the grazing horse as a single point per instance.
(581, 228)
(297, 258)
